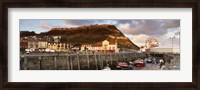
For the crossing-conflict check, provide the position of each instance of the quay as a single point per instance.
(86, 61)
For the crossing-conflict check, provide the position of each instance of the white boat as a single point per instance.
(106, 67)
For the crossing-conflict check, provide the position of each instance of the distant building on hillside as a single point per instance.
(56, 38)
(150, 44)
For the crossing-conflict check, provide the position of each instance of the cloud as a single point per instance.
(124, 21)
(138, 39)
(84, 22)
(77, 22)
(164, 41)
(44, 25)
(89, 22)
(25, 22)
(173, 32)
(148, 27)
(171, 24)
(135, 27)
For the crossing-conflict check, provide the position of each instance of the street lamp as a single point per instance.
(172, 42)
(178, 33)
(172, 62)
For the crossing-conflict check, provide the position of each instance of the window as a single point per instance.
(31, 46)
(113, 48)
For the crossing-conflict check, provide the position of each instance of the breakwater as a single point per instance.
(89, 61)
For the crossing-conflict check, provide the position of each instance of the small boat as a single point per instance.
(124, 66)
(139, 63)
(106, 67)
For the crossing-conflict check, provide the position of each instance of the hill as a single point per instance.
(92, 34)
(27, 33)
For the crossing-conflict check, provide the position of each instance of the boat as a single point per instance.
(139, 63)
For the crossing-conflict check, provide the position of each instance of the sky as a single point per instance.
(137, 30)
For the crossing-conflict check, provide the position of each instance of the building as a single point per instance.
(56, 38)
(104, 46)
(42, 44)
(151, 43)
(33, 44)
(23, 45)
(58, 47)
(36, 45)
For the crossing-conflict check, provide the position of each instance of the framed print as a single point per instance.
(100, 44)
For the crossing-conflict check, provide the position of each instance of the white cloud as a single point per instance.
(44, 25)
(163, 40)
(166, 41)
(148, 27)
(138, 39)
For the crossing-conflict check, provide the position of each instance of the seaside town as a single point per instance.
(53, 44)
(112, 51)
(36, 44)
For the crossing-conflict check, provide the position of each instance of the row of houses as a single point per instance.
(37, 45)
(30, 44)
(42, 43)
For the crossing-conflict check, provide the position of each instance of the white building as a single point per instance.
(42, 44)
(33, 44)
(57, 46)
(104, 46)
(56, 38)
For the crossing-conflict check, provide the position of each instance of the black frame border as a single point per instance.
(194, 4)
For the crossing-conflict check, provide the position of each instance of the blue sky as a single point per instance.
(136, 30)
